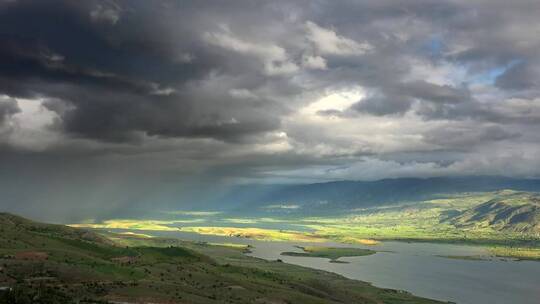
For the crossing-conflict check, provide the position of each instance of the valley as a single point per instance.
(42, 263)
(269, 152)
(244, 258)
(506, 221)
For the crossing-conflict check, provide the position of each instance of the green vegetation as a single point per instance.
(466, 257)
(258, 233)
(433, 220)
(332, 253)
(57, 264)
(507, 221)
(517, 253)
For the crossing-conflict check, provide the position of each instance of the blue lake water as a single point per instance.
(416, 268)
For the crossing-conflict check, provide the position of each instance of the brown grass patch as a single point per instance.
(32, 255)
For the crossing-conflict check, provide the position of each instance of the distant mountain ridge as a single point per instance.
(342, 195)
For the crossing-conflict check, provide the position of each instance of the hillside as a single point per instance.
(10, 223)
(44, 263)
(514, 212)
(504, 219)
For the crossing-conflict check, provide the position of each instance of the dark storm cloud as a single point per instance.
(522, 76)
(8, 107)
(432, 92)
(384, 104)
(205, 93)
(466, 137)
(399, 98)
(125, 67)
(129, 67)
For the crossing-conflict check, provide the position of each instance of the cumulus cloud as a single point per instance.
(274, 58)
(8, 107)
(108, 12)
(328, 42)
(208, 95)
(314, 62)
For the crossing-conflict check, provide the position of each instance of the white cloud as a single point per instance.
(274, 58)
(334, 100)
(161, 91)
(109, 13)
(242, 94)
(442, 73)
(314, 62)
(31, 127)
(519, 109)
(328, 41)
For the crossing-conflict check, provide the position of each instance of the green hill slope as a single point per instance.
(44, 263)
(11, 223)
(509, 212)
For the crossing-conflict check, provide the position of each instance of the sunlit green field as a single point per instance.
(424, 221)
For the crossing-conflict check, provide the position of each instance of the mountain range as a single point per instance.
(347, 195)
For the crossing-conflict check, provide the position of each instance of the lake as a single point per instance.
(416, 268)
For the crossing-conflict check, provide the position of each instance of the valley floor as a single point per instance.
(485, 219)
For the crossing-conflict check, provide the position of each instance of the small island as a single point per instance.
(332, 253)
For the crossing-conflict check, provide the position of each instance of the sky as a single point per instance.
(108, 106)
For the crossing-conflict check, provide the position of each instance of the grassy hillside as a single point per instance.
(503, 218)
(513, 212)
(56, 264)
